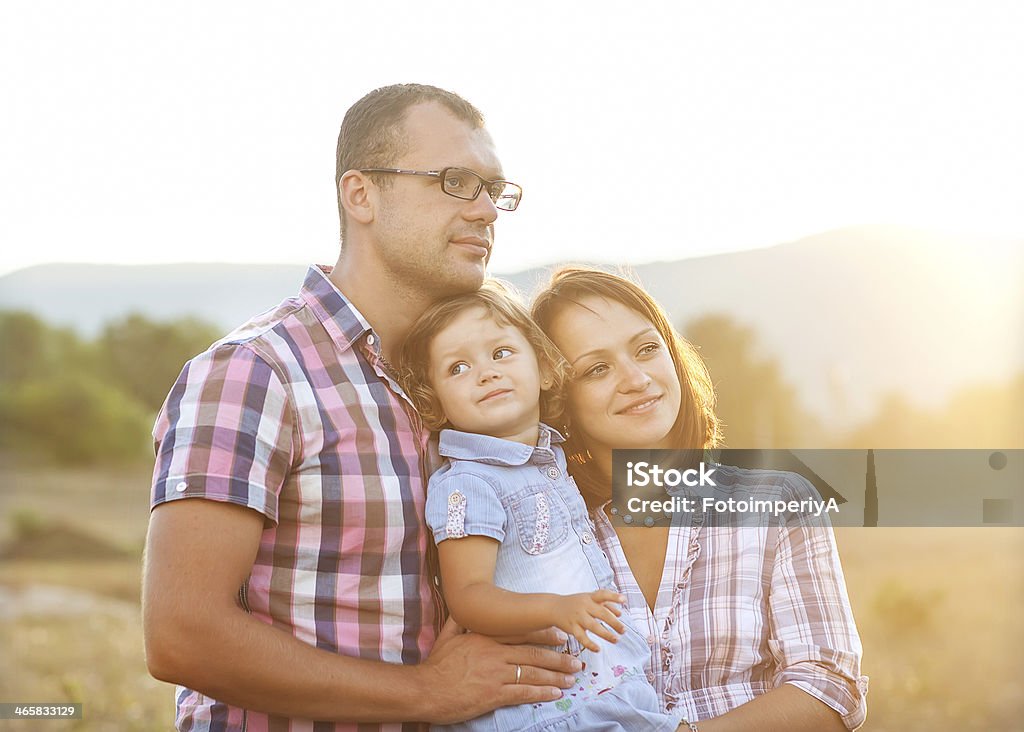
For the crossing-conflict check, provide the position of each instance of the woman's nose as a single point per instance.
(633, 378)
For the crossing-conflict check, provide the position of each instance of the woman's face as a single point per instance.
(626, 393)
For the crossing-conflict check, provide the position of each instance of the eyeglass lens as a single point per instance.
(466, 184)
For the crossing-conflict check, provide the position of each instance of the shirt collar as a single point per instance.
(343, 321)
(497, 451)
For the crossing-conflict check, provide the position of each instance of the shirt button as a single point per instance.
(370, 340)
(553, 472)
(181, 487)
(588, 538)
(650, 640)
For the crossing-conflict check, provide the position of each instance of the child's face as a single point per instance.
(486, 377)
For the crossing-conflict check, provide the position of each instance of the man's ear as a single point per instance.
(358, 196)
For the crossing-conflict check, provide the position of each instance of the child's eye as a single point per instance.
(502, 353)
(460, 368)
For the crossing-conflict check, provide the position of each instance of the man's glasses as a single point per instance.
(465, 184)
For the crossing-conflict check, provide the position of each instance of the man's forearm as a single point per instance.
(244, 662)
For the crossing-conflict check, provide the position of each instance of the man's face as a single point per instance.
(427, 240)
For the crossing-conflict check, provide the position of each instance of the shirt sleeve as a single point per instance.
(225, 433)
(460, 504)
(813, 636)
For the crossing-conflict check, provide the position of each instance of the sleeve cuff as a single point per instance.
(851, 705)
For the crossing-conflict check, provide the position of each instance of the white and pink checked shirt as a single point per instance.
(743, 610)
(296, 416)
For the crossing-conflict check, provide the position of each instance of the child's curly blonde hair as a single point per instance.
(499, 300)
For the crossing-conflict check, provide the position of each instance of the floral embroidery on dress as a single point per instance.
(543, 525)
(456, 526)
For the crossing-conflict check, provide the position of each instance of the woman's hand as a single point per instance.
(588, 611)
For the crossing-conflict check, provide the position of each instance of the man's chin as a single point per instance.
(465, 279)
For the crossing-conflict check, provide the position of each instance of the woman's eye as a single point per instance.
(649, 348)
(502, 353)
(460, 368)
(596, 370)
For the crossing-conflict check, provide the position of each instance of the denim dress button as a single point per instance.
(588, 538)
(553, 472)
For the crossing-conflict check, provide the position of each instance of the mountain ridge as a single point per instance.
(860, 310)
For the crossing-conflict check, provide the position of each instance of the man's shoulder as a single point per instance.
(305, 312)
(273, 342)
(286, 315)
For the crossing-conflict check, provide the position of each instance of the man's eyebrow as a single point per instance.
(601, 351)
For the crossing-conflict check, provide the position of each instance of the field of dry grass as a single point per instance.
(938, 610)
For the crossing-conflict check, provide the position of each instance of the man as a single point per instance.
(298, 582)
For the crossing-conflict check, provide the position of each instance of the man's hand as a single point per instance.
(468, 674)
(548, 637)
(589, 611)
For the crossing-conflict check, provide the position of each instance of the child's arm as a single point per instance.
(467, 567)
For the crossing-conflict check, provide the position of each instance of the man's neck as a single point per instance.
(389, 308)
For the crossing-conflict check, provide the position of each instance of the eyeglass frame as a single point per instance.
(439, 174)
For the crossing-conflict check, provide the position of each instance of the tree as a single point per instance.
(33, 349)
(144, 357)
(73, 419)
(757, 407)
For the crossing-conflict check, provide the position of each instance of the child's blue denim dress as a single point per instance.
(523, 497)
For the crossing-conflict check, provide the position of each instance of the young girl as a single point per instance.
(516, 547)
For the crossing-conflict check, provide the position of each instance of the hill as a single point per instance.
(849, 314)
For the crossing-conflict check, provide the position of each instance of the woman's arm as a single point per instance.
(785, 709)
(811, 636)
(467, 568)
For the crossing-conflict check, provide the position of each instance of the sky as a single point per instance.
(145, 132)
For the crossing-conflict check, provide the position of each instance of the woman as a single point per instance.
(749, 628)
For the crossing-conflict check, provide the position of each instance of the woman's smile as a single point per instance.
(641, 406)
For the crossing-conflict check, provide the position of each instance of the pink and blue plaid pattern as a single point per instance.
(295, 415)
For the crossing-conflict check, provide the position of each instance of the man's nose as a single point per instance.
(481, 208)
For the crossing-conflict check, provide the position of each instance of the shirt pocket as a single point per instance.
(541, 521)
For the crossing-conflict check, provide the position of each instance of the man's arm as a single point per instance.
(199, 552)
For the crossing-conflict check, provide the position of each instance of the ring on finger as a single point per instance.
(519, 673)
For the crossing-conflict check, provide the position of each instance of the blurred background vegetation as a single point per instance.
(937, 608)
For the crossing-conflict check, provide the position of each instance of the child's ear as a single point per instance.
(547, 379)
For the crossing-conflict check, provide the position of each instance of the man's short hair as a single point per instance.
(373, 135)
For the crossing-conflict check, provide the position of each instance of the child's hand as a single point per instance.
(593, 611)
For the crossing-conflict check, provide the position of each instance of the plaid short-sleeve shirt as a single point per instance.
(296, 415)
